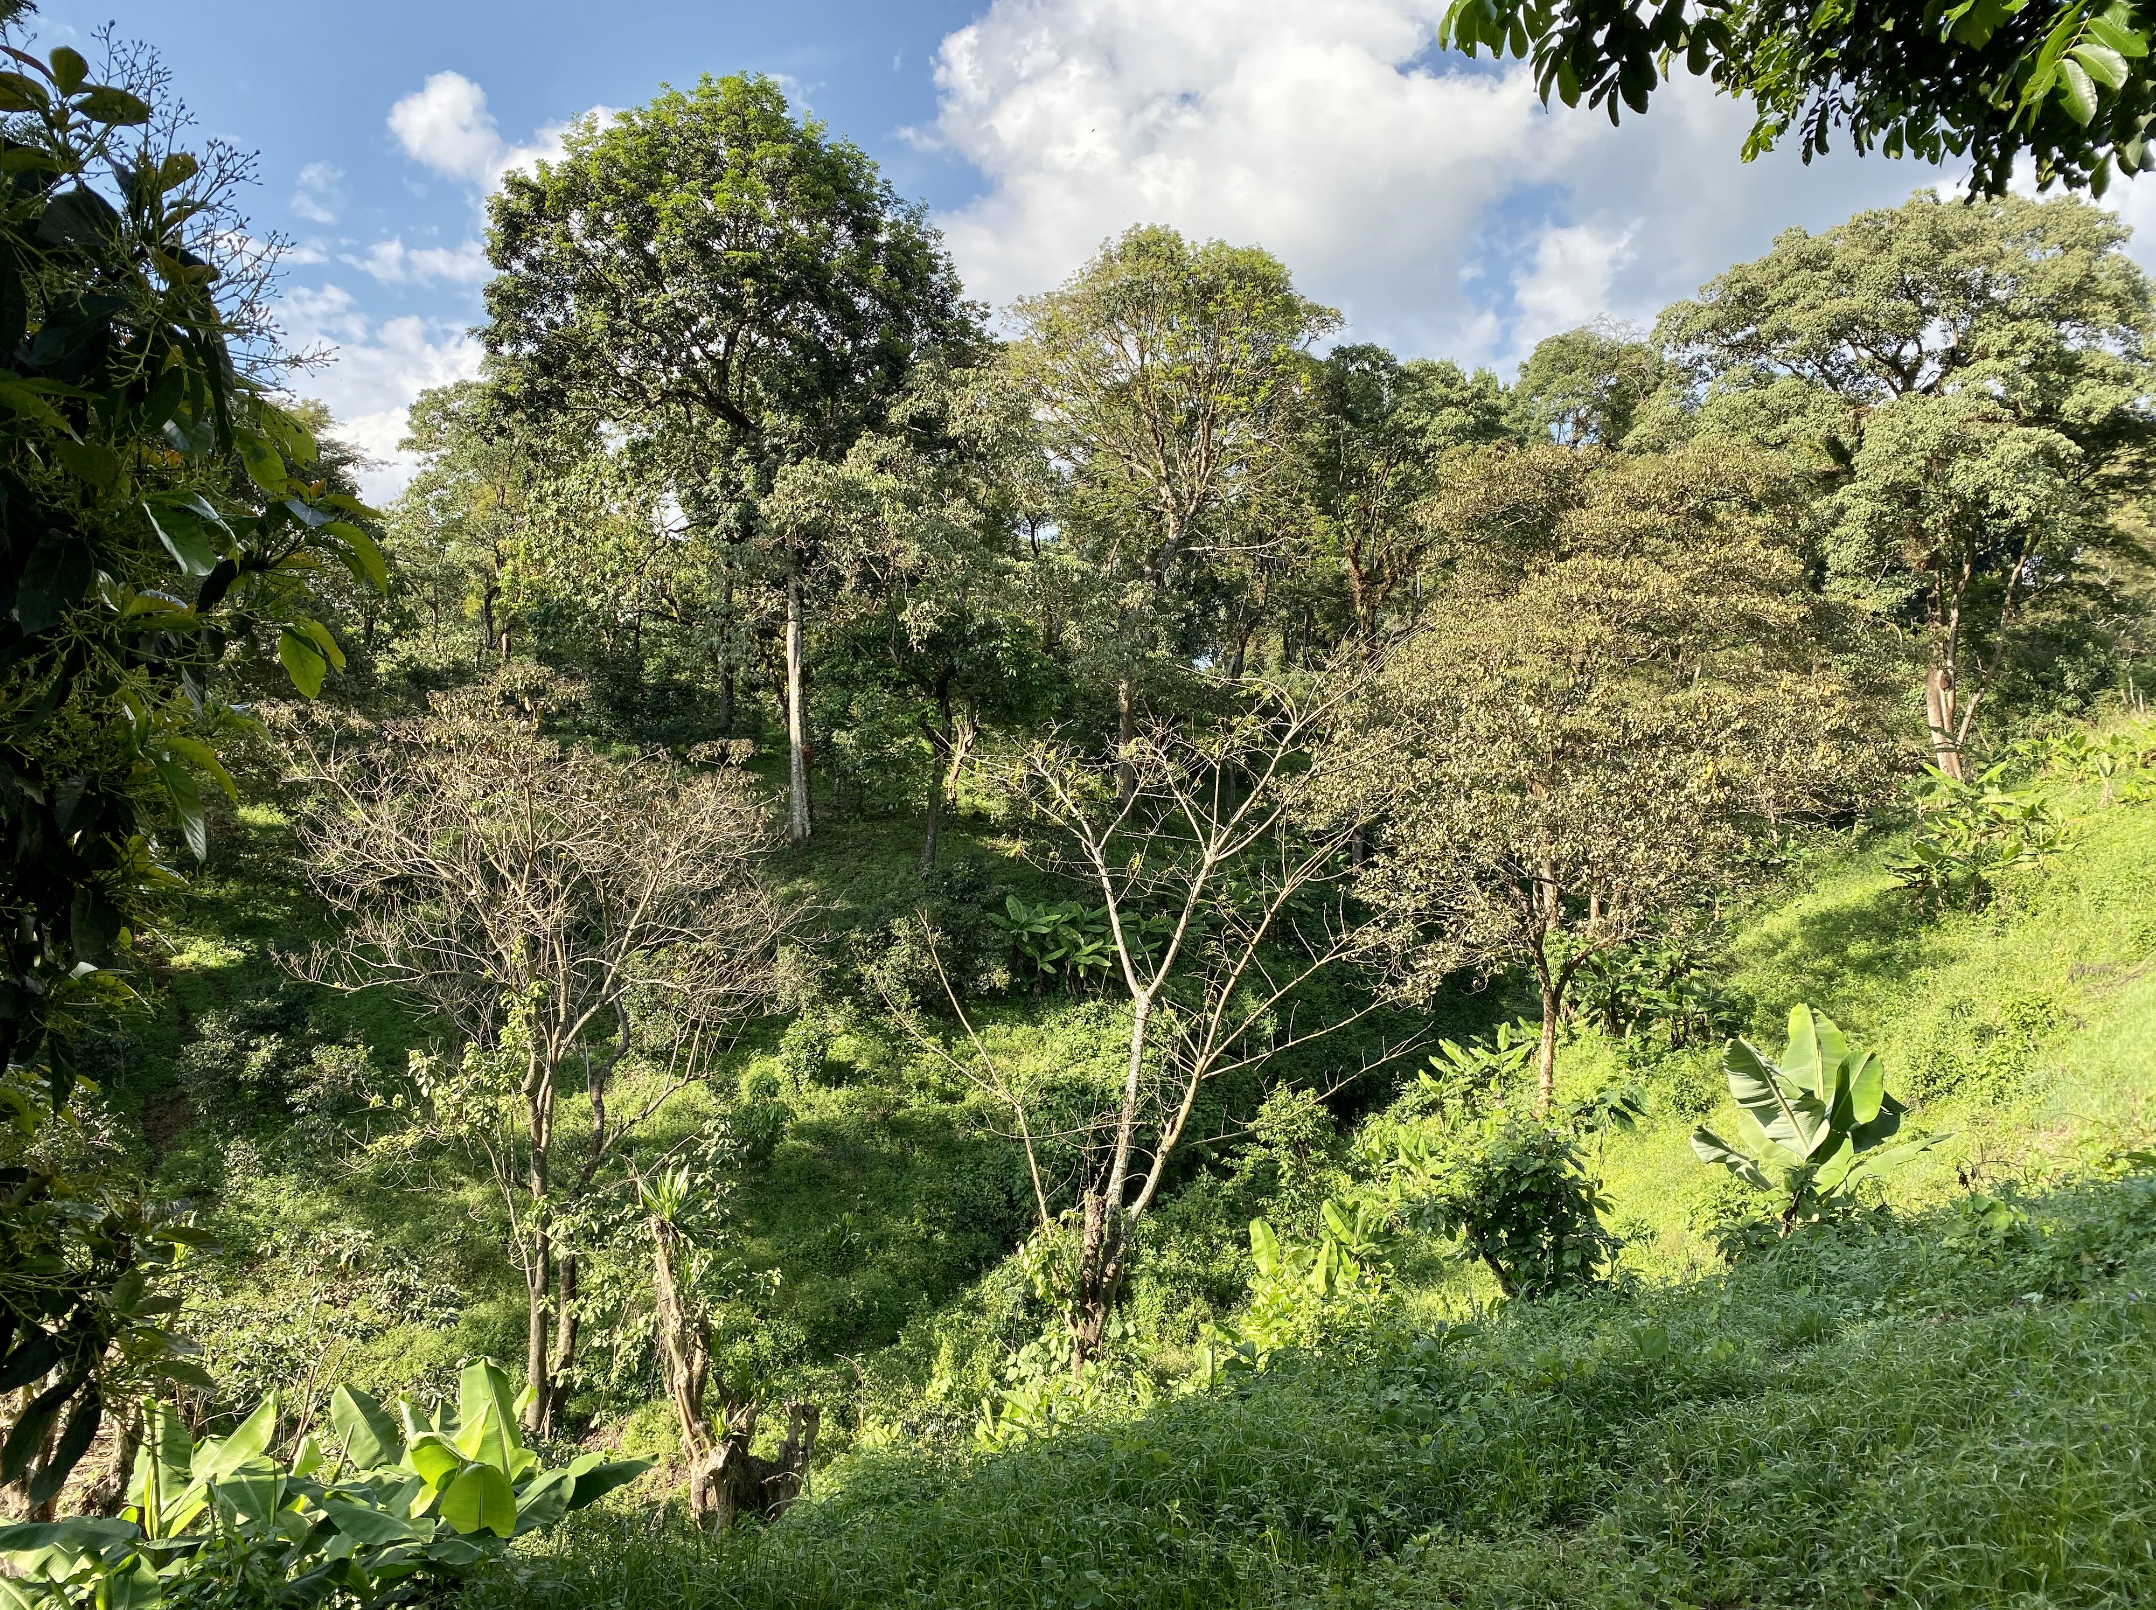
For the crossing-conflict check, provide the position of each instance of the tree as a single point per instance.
(163, 518)
(1586, 385)
(2064, 85)
(1225, 899)
(1166, 378)
(918, 525)
(1973, 381)
(710, 273)
(559, 912)
(1380, 429)
(1627, 685)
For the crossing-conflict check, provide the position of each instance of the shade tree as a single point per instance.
(1167, 377)
(714, 273)
(1626, 686)
(1972, 383)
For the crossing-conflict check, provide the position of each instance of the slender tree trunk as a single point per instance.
(940, 742)
(1126, 731)
(797, 804)
(1102, 1238)
(1939, 717)
(566, 1324)
(538, 1290)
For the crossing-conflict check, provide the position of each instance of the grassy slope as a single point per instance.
(1899, 1413)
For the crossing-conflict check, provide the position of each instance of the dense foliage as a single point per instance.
(1281, 849)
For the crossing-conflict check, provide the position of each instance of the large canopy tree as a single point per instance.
(1973, 379)
(1626, 682)
(1167, 378)
(1378, 432)
(713, 273)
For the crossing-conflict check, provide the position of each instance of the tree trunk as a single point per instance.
(940, 743)
(1102, 1240)
(797, 803)
(538, 1289)
(1546, 1056)
(1939, 717)
(566, 1324)
(1126, 731)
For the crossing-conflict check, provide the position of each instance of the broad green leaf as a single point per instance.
(480, 1498)
(69, 70)
(1867, 1089)
(1834, 1168)
(217, 1458)
(1711, 1148)
(323, 639)
(253, 1489)
(482, 1386)
(88, 462)
(365, 554)
(303, 662)
(1265, 1248)
(1789, 1118)
(264, 466)
(2101, 63)
(132, 1587)
(102, 103)
(19, 92)
(197, 753)
(431, 1454)
(371, 1438)
(594, 1482)
(2116, 35)
(546, 1500)
(1803, 1054)
(186, 797)
(2076, 92)
(369, 1524)
(186, 539)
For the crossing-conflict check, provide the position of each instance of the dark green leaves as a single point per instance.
(56, 577)
(104, 104)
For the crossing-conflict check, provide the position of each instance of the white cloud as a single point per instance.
(1571, 279)
(319, 196)
(394, 263)
(1436, 203)
(376, 373)
(445, 124)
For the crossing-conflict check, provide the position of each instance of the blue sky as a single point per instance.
(1431, 199)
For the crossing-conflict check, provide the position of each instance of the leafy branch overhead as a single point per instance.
(1988, 81)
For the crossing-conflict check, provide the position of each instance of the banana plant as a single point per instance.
(393, 1503)
(1815, 1123)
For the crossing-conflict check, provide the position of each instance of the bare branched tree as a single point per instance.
(562, 914)
(1227, 894)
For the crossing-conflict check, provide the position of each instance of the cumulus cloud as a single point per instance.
(445, 125)
(394, 263)
(1433, 200)
(376, 371)
(319, 195)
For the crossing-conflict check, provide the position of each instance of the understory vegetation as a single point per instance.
(1154, 959)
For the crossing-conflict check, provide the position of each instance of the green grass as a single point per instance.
(1890, 1410)
(1865, 1413)
(1874, 1412)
